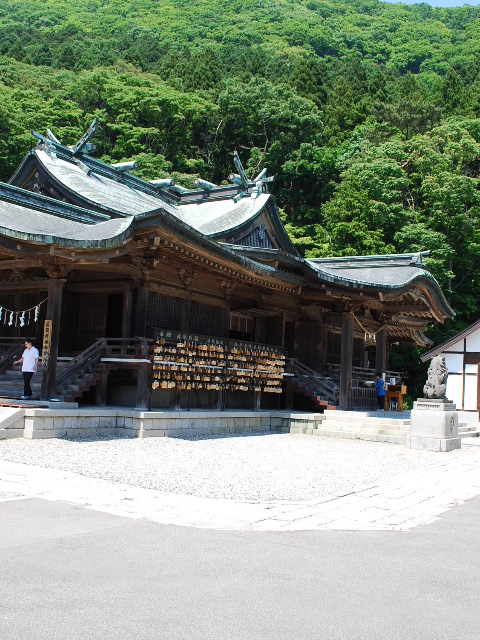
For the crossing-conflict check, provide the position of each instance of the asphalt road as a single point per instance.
(70, 573)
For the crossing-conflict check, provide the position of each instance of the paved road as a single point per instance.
(67, 572)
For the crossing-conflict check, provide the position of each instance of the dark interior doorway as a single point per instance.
(113, 327)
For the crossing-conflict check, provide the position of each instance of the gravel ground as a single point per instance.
(262, 467)
(8, 495)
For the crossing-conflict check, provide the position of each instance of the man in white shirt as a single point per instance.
(29, 362)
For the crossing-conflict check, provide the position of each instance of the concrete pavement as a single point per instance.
(82, 558)
(399, 504)
(70, 573)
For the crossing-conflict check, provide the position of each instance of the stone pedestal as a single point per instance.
(433, 426)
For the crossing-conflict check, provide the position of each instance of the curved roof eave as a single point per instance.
(424, 277)
(109, 242)
(172, 223)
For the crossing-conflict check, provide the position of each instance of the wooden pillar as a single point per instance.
(381, 351)
(288, 395)
(346, 359)
(101, 391)
(127, 312)
(141, 311)
(54, 313)
(143, 380)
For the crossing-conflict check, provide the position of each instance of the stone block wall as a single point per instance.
(97, 422)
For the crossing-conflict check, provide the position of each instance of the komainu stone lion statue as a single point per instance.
(436, 384)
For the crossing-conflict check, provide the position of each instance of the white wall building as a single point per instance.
(462, 357)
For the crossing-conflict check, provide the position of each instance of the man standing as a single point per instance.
(29, 362)
(380, 390)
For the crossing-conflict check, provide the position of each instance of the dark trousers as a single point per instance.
(381, 402)
(27, 389)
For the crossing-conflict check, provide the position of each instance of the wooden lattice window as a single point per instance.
(164, 312)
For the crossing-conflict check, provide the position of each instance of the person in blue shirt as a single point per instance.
(380, 390)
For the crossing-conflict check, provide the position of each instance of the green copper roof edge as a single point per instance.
(50, 239)
(447, 310)
(21, 166)
(418, 255)
(281, 228)
(38, 202)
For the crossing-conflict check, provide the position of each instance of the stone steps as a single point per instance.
(361, 425)
(469, 429)
(395, 438)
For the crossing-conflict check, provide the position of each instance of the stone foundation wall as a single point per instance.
(95, 422)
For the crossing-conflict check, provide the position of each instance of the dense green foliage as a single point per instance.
(367, 113)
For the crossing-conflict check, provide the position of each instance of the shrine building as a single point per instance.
(157, 296)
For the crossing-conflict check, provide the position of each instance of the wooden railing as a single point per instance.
(80, 363)
(360, 374)
(364, 398)
(131, 351)
(313, 381)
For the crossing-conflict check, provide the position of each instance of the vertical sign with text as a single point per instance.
(47, 342)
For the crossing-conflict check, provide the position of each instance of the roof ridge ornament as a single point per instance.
(89, 133)
(241, 179)
(205, 184)
(51, 141)
(129, 165)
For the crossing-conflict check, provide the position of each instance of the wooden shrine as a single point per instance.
(160, 296)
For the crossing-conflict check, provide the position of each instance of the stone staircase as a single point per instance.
(390, 426)
(310, 383)
(363, 425)
(367, 425)
(469, 429)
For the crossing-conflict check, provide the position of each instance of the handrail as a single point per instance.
(91, 355)
(128, 348)
(6, 359)
(319, 382)
(365, 374)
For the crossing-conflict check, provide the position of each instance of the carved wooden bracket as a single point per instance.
(227, 288)
(56, 271)
(186, 278)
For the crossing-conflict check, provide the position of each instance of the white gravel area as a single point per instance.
(266, 467)
(8, 495)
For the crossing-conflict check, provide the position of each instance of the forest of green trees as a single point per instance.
(367, 113)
